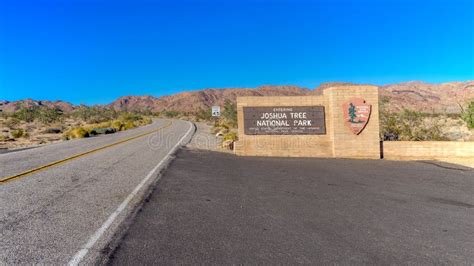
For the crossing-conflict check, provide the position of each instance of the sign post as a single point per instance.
(216, 111)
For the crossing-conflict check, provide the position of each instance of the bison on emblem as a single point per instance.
(357, 114)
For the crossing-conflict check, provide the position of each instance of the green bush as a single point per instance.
(229, 114)
(42, 114)
(12, 122)
(171, 114)
(203, 115)
(49, 115)
(95, 114)
(468, 115)
(18, 133)
(409, 125)
(26, 114)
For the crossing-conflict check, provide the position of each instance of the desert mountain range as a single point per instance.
(415, 95)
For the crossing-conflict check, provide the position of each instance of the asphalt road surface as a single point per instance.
(215, 208)
(67, 213)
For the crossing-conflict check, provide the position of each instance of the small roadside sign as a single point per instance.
(216, 111)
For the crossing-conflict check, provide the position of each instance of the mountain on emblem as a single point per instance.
(357, 114)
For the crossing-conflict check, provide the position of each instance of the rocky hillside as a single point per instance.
(10, 107)
(195, 100)
(419, 96)
(426, 97)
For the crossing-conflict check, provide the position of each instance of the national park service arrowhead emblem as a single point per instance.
(357, 114)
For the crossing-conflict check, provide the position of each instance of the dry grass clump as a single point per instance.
(230, 136)
(18, 133)
(124, 122)
(76, 133)
(34, 125)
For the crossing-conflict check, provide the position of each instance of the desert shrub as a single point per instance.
(131, 120)
(17, 133)
(410, 125)
(95, 114)
(215, 129)
(26, 114)
(147, 120)
(171, 114)
(4, 115)
(389, 128)
(49, 115)
(230, 136)
(229, 114)
(52, 130)
(77, 132)
(147, 111)
(128, 125)
(130, 117)
(12, 122)
(204, 115)
(42, 114)
(117, 124)
(468, 115)
(125, 121)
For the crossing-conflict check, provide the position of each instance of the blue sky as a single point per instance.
(86, 51)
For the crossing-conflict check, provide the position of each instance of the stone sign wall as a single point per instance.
(343, 122)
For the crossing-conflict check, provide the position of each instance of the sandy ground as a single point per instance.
(203, 139)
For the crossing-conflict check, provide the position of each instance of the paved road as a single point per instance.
(218, 209)
(49, 216)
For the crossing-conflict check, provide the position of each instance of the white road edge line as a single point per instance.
(79, 256)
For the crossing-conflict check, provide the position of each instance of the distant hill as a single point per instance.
(416, 95)
(10, 107)
(419, 96)
(427, 97)
(195, 100)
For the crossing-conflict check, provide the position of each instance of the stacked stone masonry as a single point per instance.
(338, 141)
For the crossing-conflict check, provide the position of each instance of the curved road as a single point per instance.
(67, 213)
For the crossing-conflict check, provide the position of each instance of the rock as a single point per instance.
(106, 130)
(228, 144)
(52, 130)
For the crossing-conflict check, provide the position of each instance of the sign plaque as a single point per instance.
(356, 114)
(216, 111)
(284, 120)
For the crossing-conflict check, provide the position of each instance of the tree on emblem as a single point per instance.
(352, 113)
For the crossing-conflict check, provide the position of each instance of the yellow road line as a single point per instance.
(43, 167)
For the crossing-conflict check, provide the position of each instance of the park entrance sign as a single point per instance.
(341, 122)
(284, 120)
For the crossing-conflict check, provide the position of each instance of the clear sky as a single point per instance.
(86, 51)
